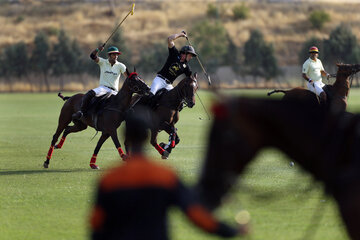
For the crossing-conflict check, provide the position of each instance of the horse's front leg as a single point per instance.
(68, 129)
(115, 139)
(64, 120)
(102, 139)
(153, 141)
(173, 138)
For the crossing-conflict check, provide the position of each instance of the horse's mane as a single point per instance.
(277, 110)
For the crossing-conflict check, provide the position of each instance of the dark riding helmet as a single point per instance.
(188, 49)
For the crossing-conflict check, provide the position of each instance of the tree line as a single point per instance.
(256, 58)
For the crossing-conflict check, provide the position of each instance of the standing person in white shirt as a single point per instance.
(313, 71)
(110, 71)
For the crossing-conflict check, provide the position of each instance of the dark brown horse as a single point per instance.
(107, 121)
(244, 126)
(337, 93)
(166, 114)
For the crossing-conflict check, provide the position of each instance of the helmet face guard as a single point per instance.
(188, 50)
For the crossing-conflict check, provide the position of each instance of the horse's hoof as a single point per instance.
(165, 155)
(94, 166)
(46, 165)
(125, 157)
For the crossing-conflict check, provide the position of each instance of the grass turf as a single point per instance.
(54, 203)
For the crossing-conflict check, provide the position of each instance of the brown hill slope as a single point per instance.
(283, 24)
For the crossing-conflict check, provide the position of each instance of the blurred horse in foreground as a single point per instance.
(337, 94)
(323, 143)
(107, 118)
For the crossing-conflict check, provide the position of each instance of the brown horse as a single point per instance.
(107, 121)
(166, 114)
(244, 126)
(337, 93)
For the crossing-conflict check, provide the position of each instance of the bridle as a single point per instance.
(185, 99)
(134, 87)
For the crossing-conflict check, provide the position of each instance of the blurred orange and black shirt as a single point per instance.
(133, 199)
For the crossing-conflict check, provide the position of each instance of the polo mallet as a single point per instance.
(197, 57)
(131, 12)
(200, 118)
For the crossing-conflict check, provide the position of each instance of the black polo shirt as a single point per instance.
(173, 67)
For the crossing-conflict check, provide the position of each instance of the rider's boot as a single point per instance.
(323, 98)
(84, 105)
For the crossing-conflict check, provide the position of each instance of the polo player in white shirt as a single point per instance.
(110, 71)
(313, 71)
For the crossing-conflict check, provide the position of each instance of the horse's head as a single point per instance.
(136, 83)
(188, 88)
(347, 69)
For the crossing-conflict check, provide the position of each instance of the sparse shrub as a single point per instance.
(51, 31)
(153, 58)
(341, 46)
(19, 19)
(241, 12)
(319, 18)
(212, 11)
(259, 57)
(39, 59)
(211, 42)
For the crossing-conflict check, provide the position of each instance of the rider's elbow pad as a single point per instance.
(92, 56)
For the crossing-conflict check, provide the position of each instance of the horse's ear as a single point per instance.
(127, 72)
(195, 75)
(134, 69)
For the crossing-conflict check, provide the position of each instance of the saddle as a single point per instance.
(97, 106)
(152, 101)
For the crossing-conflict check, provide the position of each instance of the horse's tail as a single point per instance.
(62, 96)
(276, 91)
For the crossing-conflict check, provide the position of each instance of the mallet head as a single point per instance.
(133, 9)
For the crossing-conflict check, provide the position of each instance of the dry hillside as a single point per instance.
(284, 24)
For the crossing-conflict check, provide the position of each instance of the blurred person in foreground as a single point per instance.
(133, 198)
(110, 72)
(313, 71)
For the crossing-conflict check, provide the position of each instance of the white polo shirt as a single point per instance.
(312, 69)
(110, 75)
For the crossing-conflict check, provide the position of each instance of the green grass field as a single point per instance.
(54, 203)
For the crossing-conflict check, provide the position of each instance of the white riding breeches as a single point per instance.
(316, 87)
(159, 83)
(101, 90)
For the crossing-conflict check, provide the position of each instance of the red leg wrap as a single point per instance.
(50, 152)
(93, 159)
(159, 149)
(61, 143)
(121, 152)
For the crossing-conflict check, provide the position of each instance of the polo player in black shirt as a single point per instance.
(175, 65)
